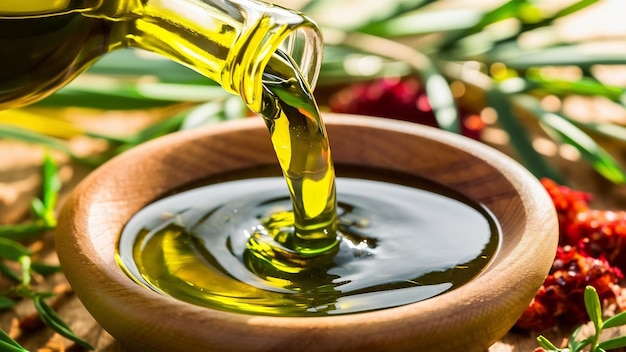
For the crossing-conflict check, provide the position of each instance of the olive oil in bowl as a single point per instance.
(402, 239)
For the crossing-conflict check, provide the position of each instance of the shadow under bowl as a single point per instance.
(468, 318)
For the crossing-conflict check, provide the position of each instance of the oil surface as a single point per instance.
(402, 240)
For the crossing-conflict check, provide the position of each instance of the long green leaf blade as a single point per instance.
(583, 86)
(594, 307)
(51, 187)
(615, 321)
(8, 344)
(135, 63)
(441, 100)
(424, 22)
(613, 343)
(52, 319)
(545, 343)
(7, 131)
(564, 55)
(23, 231)
(6, 303)
(519, 139)
(12, 250)
(599, 158)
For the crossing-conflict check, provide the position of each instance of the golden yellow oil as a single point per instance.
(402, 239)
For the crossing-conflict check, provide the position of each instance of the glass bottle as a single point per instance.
(44, 44)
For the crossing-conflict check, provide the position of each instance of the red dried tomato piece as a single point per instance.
(560, 300)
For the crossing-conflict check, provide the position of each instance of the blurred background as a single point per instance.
(541, 80)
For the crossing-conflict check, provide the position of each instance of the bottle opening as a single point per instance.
(304, 45)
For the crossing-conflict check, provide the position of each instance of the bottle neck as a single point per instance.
(230, 42)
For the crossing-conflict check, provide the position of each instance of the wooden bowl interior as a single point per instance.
(474, 315)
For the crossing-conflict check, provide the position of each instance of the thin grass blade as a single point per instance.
(51, 186)
(45, 269)
(28, 136)
(12, 250)
(6, 303)
(584, 86)
(614, 343)
(10, 273)
(137, 63)
(519, 138)
(23, 231)
(8, 344)
(424, 22)
(52, 319)
(545, 343)
(569, 133)
(532, 22)
(441, 100)
(579, 55)
(615, 321)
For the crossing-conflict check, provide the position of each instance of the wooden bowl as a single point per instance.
(469, 318)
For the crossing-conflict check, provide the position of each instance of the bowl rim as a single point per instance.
(84, 249)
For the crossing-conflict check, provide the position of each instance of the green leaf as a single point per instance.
(8, 344)
(134, 63)
(437, 88)
(569, 133)
(519, 58)
(573, 8)
(52, 319)
(616, 320)
(12, 250)
(130, 96)
(38, 207)
(23, 231)
(519, 139)
(6, 302)
(584, 86)
(594, 307)
(25, 264)
(545, 343)
(45, 269)
(606, 129)
(10, 273)
(574, 345)
(613, 343)
(7, 131)
(578, 346)
(214, 112)
(527, 26)
(424, 22)
(441, 100)
(156, 130)
(51, 187)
